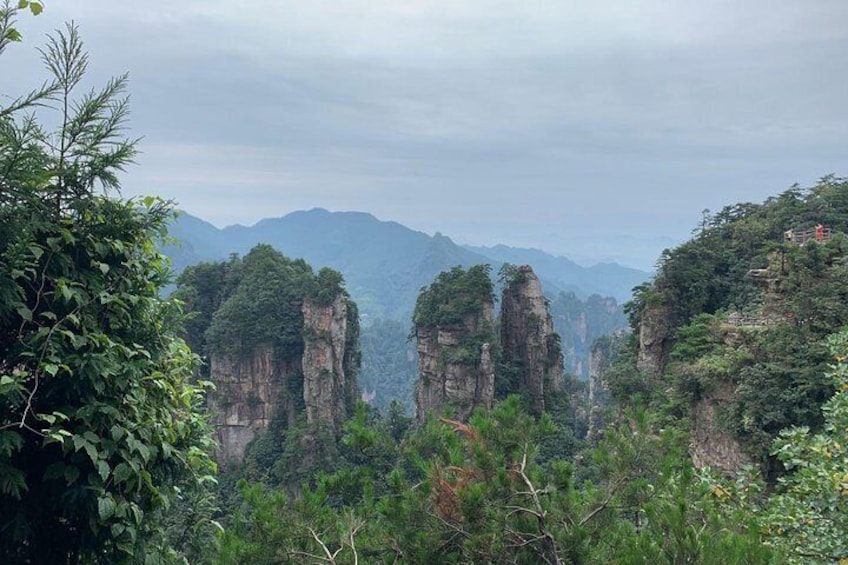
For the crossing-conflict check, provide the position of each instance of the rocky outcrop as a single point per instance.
(259, 387)
(455, 369)
(655, 338)
(603, 354)
(250, 391)
(528, 340)
(329, 388)
(710, 445)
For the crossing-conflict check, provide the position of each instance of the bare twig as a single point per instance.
(541, 515)
(331, 557)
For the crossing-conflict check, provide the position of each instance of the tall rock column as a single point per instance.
(603, 355)
(329, 388)
(531, 347)
(454, 368)
(655, 339)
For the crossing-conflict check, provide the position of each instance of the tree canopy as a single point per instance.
(453, 295)
(101, 435)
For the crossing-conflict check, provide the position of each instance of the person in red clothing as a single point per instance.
(820, 232)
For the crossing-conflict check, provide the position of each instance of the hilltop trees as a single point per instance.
(101, 436)
(741, 312)
(453, 295)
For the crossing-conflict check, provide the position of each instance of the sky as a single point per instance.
(599, 130)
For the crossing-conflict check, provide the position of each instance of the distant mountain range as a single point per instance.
(606, 279)
(385, 263)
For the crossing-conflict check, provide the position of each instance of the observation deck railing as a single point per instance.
(802, 236)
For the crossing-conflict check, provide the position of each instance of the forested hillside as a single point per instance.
(734, 324)
(718, 380)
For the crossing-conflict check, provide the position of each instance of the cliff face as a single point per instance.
(655, 338)
(453, 369)
(529, 342)
(329, 386)
(257, 388)
(603, 355)
(251, 391)
(710, 445)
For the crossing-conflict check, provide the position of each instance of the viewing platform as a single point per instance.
(818, 233)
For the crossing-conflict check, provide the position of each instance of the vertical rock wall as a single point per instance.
(655, 338)
(452, 371)
(258, 387)
(603, 354)
(710, 445)
(250, 391)
(528, 339)
(329, 389)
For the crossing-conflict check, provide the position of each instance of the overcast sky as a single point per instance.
(586, 128)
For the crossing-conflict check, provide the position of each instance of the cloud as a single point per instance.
(490, 121)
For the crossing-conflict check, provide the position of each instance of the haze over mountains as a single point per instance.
(385, 263)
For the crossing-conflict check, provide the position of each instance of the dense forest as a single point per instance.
(223, 424)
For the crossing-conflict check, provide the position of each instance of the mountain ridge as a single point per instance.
(383, 261)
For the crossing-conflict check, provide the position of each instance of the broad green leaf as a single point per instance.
(24, 313)
(105, 507)
(7, 384)
(121, 473)
(138, 513)
(91, 451)
(36, 251)
(103, 469)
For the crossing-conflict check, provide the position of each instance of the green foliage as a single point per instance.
(329, 285)
(626, 383)
(510, 275)
(742, 311)
(202, 289)
(454, 295)
(708, 273)
(808, 515)
(101, 436)
(784, 386)
(264, 308)
(8, 11)
(475, 493)
(240, 304)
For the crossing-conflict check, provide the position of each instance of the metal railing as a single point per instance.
(812, 234)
